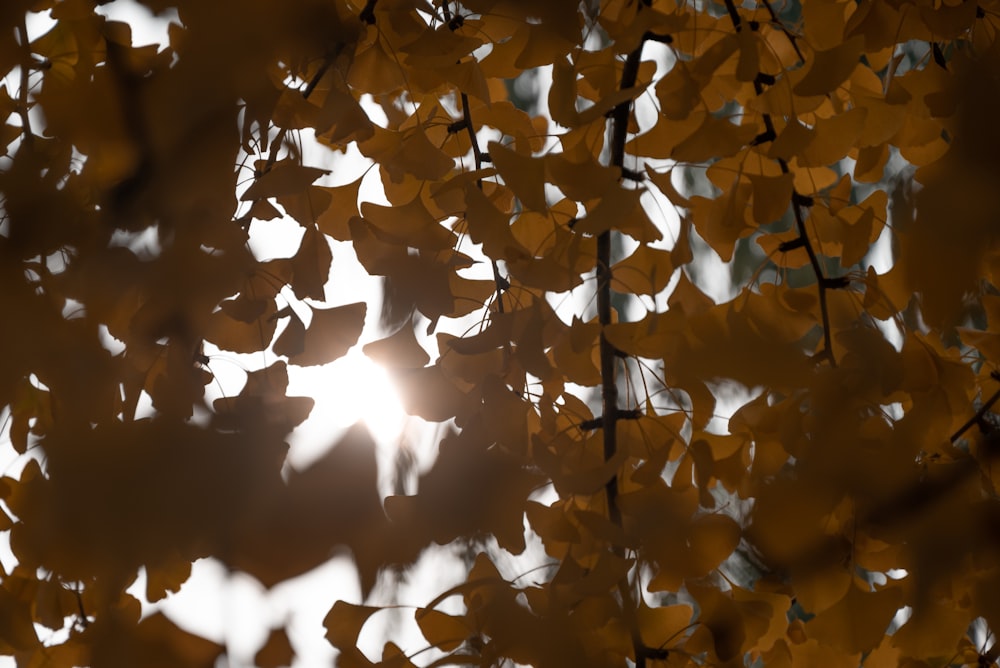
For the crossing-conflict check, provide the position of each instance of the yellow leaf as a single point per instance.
(934, 630)
(819, 589)
(771, 197)
(830, 67)
(678, 92)
(711, 539)
(664, 181)
(374, 71)
(446, 632)
(232, 328)
(427, 393)
(490, 227)
(276, 652)
(408, 224)
(330, 334)
(715, 138)
(792, 139)
(833, 138)
(284, 178)
(167, 576)
(311, 265)
(578, 174)
(645, 272)
(859, 621)
(401, 350)
(344, 622)
(523, 174)
(619, 208)
(723, 220)
(343, 205)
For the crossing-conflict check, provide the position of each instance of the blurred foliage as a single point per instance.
(549, 246)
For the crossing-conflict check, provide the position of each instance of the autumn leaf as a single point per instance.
(510, 168)
(276, 652)
(283, 178)
(330, 334)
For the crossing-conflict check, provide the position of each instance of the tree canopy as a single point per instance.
(545, 263)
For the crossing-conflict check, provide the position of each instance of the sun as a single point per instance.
(347, 390)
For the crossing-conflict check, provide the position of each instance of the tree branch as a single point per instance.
(609, 386)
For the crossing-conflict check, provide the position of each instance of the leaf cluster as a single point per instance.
(543, 266)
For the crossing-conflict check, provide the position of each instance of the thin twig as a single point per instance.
(791, 38)
(800, 225)
(26, 64)
(609, 386)
(977, 418)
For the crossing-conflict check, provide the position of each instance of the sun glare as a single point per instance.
(349, 389)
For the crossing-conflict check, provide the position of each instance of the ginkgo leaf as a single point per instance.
(331, 333)
(446, 632)
(771, 197)
(276, 652)
(234, 334)
(645, 272)
(311, 265)
(663, 627)
(933, 630)
(714, 138)
(344, 623)
(830, 67)
(166, 577)
(619, 208)
(858, 622)
(343, 206)
(20, 633)
(471, 488)
(283, 178)
(409, 224)
(663, 181)
(723, 220)
(491, 227)
(523, 174)
(399, 350)
(833, 137)
(427, 393)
